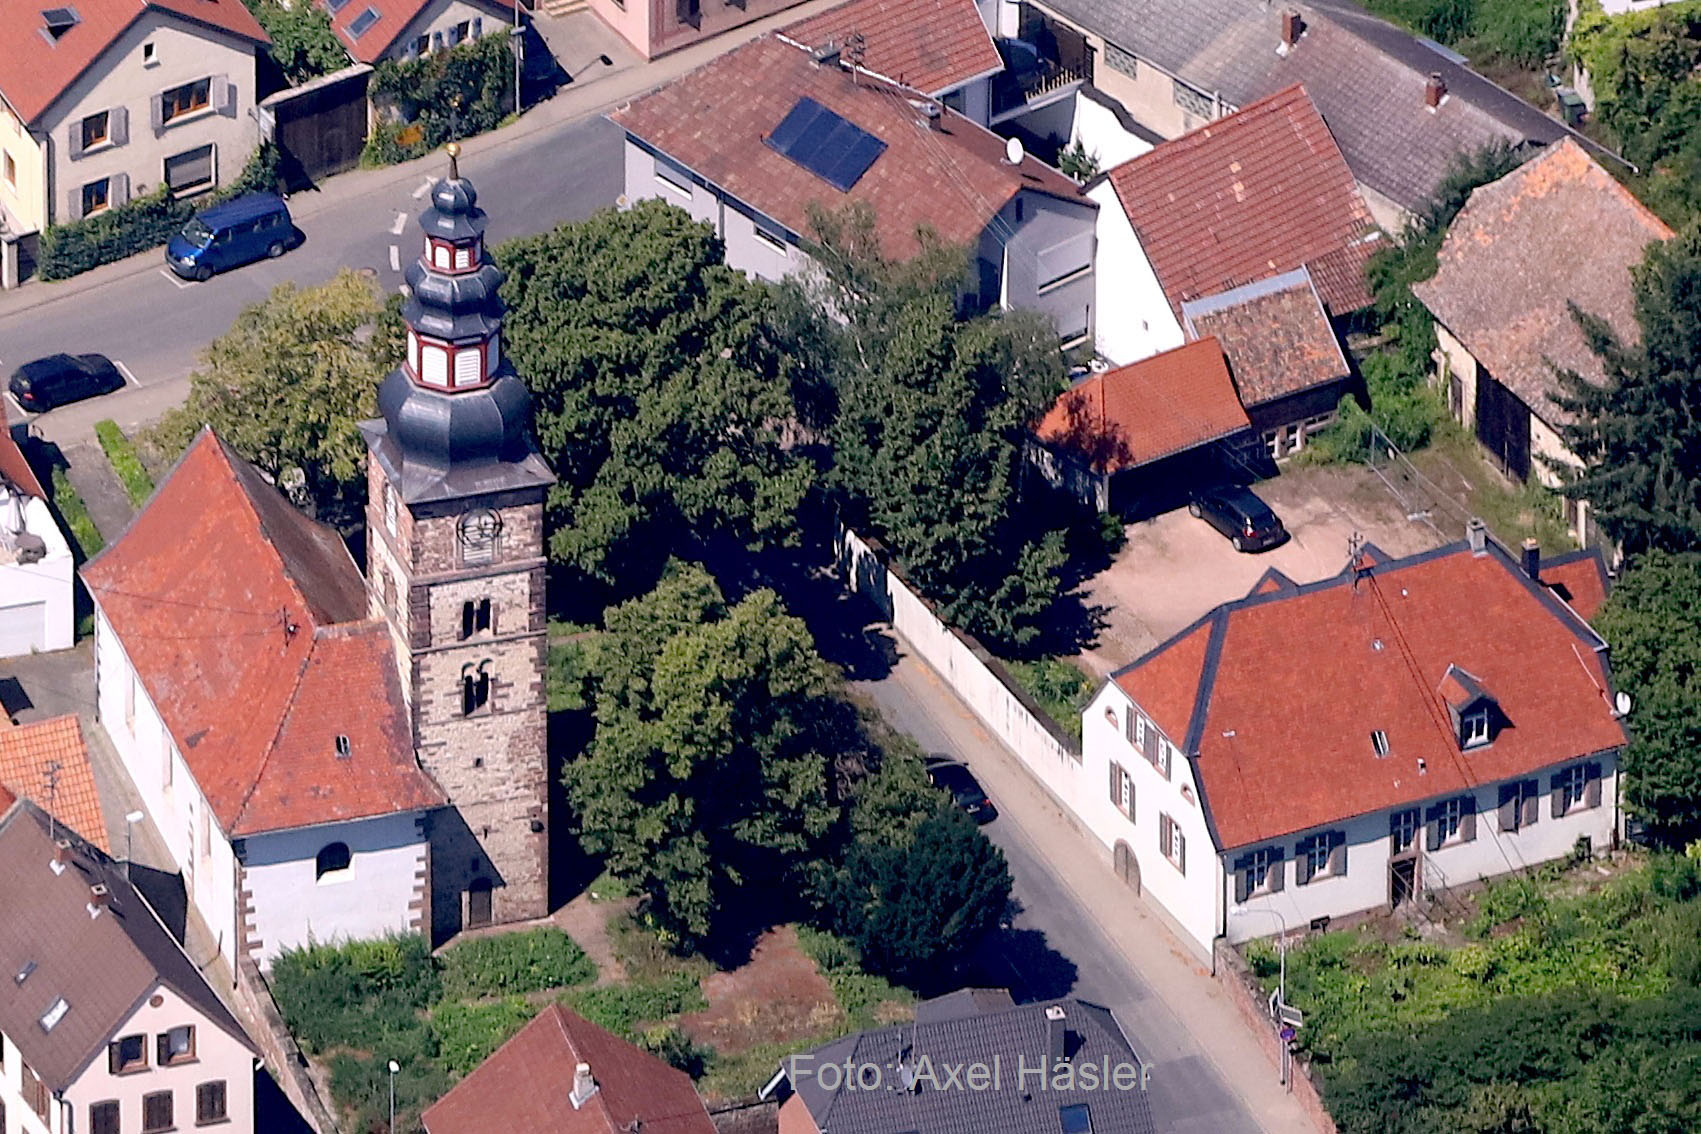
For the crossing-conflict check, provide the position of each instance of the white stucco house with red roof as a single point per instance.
(1313, 751)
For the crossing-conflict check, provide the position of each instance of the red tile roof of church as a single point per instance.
(245, 622)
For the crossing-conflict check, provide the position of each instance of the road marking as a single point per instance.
(125, 370)
(172, 276)
(395, 259)
(423, 189)
(398, 224)
(406, 290)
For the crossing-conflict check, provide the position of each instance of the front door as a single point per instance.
(1402, 880)
(1503, 426)
(478, 903)
(1127, 866)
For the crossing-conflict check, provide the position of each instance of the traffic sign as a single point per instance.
(1288, 1035)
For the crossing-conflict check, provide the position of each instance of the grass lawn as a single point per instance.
(1456, 464)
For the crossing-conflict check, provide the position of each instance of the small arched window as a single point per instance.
(332, 862)
(475, 688)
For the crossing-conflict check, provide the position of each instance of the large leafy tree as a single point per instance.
(933, 410)
(706, 783)
(1639, 434)
(1652, 621)
(286, 385)
(663, 387)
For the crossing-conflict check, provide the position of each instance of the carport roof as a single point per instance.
(1147, 410)
(1277, 694)
(1275, 334)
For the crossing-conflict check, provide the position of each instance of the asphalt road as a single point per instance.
(156, 325)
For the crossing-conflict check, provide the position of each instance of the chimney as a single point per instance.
(930, 115)
(583, 1086)
(1291, 29)
(1434, 90)
(1476, 534)
(1533, 559)
(61, 855)
(1056, 1036)
(99, 896)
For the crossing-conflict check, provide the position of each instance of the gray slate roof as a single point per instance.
(102, 966)
(950, 1035)
(1365, 75)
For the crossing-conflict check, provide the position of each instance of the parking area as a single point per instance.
(1175, 568)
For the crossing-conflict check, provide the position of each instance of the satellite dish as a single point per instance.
(1013, 152)
(1622, 703)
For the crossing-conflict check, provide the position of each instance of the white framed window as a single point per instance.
(1379, 743)
(1402, 830)
(463, 258)
(1323, 855)
(1121, 789)
(469, 367)
(436, 369)
(1571, 788)
(439, 255)
(1165, 752)
(1473, 728)
(1258, 872)
(1171, 842)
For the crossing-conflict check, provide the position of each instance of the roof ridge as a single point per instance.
(231, 457)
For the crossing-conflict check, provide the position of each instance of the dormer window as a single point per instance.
(1473, 727)
(1471, 704)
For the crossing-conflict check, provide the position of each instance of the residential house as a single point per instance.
(105, 100)
(47, 763)
(36, 565)
(1257, 194)
(1309, 752)
(330, 756)
(1401, 109)
(1061, 1065)
(754, 140)
(656, 27)
(259, 713)
(1114, 438)
(1288, 365)
(564, 1074)
(1557, 233)
(373, 30)
(941, 48)
(106, 1026)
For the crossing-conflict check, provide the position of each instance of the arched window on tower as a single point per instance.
(332, 863)
(475, 617)
(475, 688)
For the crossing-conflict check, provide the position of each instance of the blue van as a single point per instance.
(231, 234)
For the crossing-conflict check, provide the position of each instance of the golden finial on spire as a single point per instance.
(454, 151)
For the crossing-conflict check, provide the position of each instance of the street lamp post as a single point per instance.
(130, 822)
(394, 1067)
(1281, 980)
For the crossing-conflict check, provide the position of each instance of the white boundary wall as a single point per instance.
(977, 677)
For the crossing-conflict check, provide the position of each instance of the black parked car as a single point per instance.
(62, 378)
(1246, 520)
(954, 778)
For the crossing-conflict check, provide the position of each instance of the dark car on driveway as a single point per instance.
(62, 378)
(955, 779)
(1246, 520)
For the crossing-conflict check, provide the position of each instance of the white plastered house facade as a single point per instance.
(1145, 324)
(36, 593)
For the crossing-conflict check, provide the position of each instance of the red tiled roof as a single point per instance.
(13, 466)
(236, 612)
(525, 1085)
(952, 179)
(1295, 682)
(1150, 409)
(1579, 579)
(1253, 194)
(6, 800)
(27, 755)
(931, 45)
(35, 68)
(1276, 336)
(1559, 231)
(394, 16)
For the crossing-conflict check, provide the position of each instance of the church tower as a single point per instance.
(455, 564)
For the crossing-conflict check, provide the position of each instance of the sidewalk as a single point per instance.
(599, 90)
(1203, 1022)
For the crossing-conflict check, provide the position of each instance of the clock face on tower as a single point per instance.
(477, 532)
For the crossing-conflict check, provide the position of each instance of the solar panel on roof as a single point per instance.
(834, 149)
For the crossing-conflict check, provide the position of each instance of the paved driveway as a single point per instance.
(1175, 568)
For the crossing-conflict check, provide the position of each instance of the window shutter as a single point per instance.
(162, 1050)
(1556, 796)
(224, 95)
(1509, 806)
(1338, 854)
(74, 204)
(1116, 784)
(156, 113)
(1180, 846)
(1165, 835)
(1468, 820)
(1242, 880)
(118, 125)
(478, 26)
(76, 148)
(1165, 751)
(1530, 794)
(118, 189)
(1432, 829)
(1302, 861)
(1591, 785)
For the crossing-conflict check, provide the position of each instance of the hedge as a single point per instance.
(512, 963)
(126, 463)
(447, 95)
(85, 537)
(74, 247)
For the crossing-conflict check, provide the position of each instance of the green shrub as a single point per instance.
(675, 1048)
(515, 962)
(622, 1008)
(859, 993)
(126, 463)
(304, 45)
(447, 95)
(468, 1033)
(366, 994)
(85, 537)
(74, 247)
(1061, 689)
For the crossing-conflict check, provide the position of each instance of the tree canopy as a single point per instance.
(1639, 434)
(663, 391)
(287, 385)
